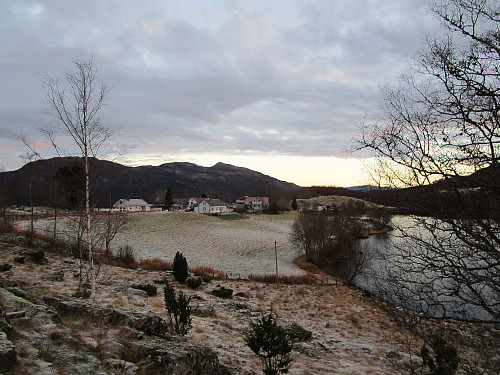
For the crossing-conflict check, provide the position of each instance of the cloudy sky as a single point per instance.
(275, 86)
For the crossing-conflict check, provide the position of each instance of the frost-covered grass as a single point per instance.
(234, 246)
(238, 245)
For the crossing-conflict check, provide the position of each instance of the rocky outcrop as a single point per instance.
(204, 310)
(156, 349)
(177, 358)
(140, 319)
(137, 292)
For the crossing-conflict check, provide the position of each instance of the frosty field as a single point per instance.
(238, 247)
(244, 246)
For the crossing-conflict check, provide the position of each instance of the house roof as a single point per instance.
(214, 202)
(133, 202)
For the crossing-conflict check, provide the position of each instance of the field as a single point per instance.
(244, 246)
(236, 244)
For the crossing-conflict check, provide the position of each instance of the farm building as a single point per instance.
(210, 207)
(193, 202)
(251, 203)
(132, 205)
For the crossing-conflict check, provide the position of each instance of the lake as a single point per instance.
(421, 288)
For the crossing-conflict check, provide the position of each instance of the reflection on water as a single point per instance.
(387, 249)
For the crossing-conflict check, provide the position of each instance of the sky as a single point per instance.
(279, 87)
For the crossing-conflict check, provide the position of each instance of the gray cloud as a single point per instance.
(285, 77)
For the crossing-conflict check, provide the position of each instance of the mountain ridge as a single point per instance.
(114, 181)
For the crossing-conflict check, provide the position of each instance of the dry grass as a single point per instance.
(155, 264)
(208, 271)
(307, 279)
(301, 262)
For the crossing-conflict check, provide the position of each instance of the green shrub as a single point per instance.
(180, 268)
(178, 310)
(193, 282)
(223, 292)
(148, 288)
(270, 343)
(206, 279)
(37, 256)
(20, 259)
(5, 267)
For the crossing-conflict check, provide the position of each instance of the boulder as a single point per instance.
(203, 310)
(8, 356)
(12, 302)
(112, 349)
(137, 292)
(17, 291)
(176, 358)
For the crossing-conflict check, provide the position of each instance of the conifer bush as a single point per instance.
(271, 344)
(180, 268)
(179, 311)
(193, 282)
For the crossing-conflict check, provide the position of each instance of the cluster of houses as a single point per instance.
(198, 205)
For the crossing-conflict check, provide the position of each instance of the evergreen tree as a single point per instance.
(294, 204)
(270, 343)
(178, 310)
(180, 268)
(169, 200)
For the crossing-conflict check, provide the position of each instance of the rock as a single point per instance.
(139, 319)
(8, 356)
(137, 292)
(113, 349)
(17, 292)
(203, 310)
(12, 302)
(177, 358)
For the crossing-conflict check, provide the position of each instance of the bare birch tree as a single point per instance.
(76, 104)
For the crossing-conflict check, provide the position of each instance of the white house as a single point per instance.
(193, 202)
(132, 205)
(210, 207)
(252, 203)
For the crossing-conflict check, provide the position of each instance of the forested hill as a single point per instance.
(112, 181)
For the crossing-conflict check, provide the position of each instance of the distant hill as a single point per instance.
(368, 188)
(113, 181)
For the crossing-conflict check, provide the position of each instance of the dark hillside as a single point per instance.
(112, 181)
